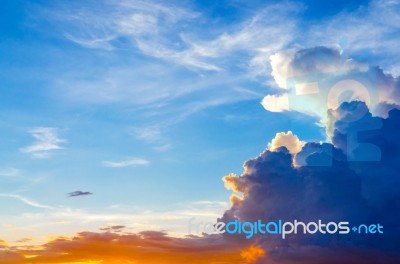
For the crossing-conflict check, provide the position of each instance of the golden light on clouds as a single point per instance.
(148, 247)
(252, 253)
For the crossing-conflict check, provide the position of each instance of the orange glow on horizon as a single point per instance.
(149, 247)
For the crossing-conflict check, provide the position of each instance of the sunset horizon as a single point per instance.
(203, 132)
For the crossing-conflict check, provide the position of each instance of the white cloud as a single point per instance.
(9, 172)
(315, 80)
(288, 140)
(148, 133)
(162, 148)
(130, 162)
(66, 220)
(26, 200)
(47, 140)
(372, 29)
(161, 31)
(219, 60)
(176, 34)
(276, 103)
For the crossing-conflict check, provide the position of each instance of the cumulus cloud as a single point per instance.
(288, 140)
(314, 80)
(47, 140)
(276, 103)
(130, 162)
(333, 183)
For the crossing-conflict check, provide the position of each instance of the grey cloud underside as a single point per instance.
(335, 183)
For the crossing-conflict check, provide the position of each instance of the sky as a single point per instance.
(132, 113)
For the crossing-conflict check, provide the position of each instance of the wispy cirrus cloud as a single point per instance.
(129, 162)
(371, 31)
(133, 217)
(47, 140)
(9, 172)
(161, 31)
(148, 133)
(173, 34)
(26, 200)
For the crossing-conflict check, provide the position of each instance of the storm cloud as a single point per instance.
(355, 178)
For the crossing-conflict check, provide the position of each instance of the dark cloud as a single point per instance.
(78, 193)
(354, 178)
(112, 228)
(359, 184)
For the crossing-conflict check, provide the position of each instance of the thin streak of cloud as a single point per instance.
(78, 193)
(26, 200)
(24, 240)
(163, 148)
(112, 228)
(131, 162)
(151, 25)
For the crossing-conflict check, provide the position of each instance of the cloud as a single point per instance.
(160, 31)
(162, 148)
(78, 193)
(178, 34)
(314, 80)
(24, 240)
(64, 221)
(130, 162)
(369, 30)
(26, 200)
(288, 140)
(8, 256)
(252, 253)
(276, 103)
(174, 32)
(174, 35)
(271, 187)
(112, 228)
(148, 133)
(355, 181)
(150, 247)
(47, 140)
(9, 172)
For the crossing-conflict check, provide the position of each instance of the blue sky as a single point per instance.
(149, 104)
